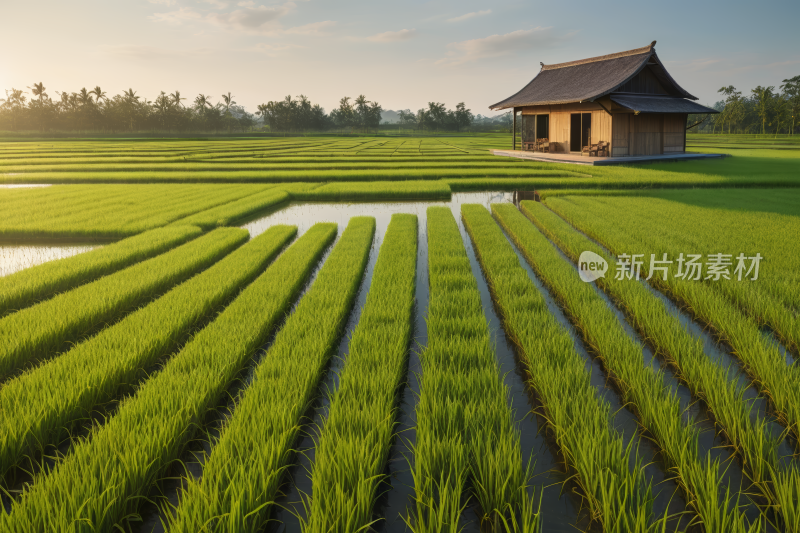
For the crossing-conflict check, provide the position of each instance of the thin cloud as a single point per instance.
(501, 45)
(164, 2)
(177, 17)
(248, 18)
(315, 28)
(472, 15)
(219, 4)
(151, 53)
(392, 36)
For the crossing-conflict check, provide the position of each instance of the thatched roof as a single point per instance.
(589, 79)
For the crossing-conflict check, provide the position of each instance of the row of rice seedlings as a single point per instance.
(616, 496)
(38, 332)
(775, 298)
(90, 374)
(40, 282)
(760, 357)
(714, 385)
(387, 173)
(376, 190)
(656, 406)
(353, 446)
(267, 165)
(89, 162)
(465, 434)
(228, 214)
(509, 184)
(266, 422)
(89, 211)
(99, 485)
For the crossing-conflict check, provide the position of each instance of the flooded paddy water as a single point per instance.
(16, 257)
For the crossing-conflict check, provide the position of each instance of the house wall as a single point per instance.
(560, 123)
(629, 134)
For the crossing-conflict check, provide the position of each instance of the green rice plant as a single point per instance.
(714, 385)
(228, 214)
(90, 211)
(465, 435)
(699, 222)
(100, 484)
(264, 165)
(761, 358)
(354, 441)
(641, 387)
(233, 495)
(92, 373)
(616, 496)
(40, 282)
(260, 176)
(377, 190)
(38, 332)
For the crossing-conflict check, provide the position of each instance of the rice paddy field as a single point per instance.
(390, 334)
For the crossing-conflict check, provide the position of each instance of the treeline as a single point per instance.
(763, 110)
(94, 111)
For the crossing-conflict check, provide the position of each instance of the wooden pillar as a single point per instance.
(514, 129)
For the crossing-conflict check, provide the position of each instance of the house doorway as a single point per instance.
(534, 129)
(580, 131)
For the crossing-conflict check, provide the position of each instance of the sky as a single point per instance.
(402, 54)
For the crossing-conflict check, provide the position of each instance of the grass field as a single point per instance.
(406, 349)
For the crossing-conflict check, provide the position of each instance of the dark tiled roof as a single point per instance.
(660, 104)
(588, 79)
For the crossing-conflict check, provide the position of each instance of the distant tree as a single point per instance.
(38, 90)
(762, 98)
(343, 116)
(99, 94)
(228, 99)
(733, 111)
(407, 118)
(202, 103)
(463, 116)
(791, 89)
(176, 99)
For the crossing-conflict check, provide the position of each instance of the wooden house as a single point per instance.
(627, 103)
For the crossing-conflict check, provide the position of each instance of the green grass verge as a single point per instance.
(102, 482)
(266, 422)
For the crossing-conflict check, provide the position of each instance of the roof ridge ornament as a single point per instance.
(636, 51)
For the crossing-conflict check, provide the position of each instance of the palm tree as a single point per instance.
(85, 97)
(38, 90)
(263, 109)
(99, 94)
(176, 98)
(202, 102)
(228, 99)
(130, 95)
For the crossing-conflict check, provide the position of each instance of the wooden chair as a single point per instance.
(544, 145)
(602, 149)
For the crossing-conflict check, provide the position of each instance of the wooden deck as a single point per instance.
(577, 159)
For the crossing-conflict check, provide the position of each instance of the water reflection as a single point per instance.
(14, 258)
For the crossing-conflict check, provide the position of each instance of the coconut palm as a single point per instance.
(176, 99)
(202, 102)
(85, 97)
(130, 95)
(38, 90)
(228, 99)
(99, 94)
